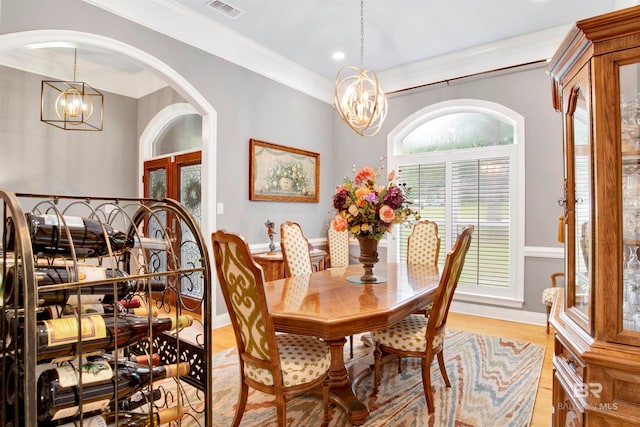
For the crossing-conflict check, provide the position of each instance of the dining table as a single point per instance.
(334, 304)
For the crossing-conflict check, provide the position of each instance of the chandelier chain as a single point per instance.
(357, 95)
(362, 33)
(75, 63)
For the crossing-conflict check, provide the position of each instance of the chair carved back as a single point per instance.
(295, 250)
(423, 245)
(449, 281)
(338, 247)
(242, 283)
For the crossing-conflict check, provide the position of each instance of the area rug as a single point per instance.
(494, 383)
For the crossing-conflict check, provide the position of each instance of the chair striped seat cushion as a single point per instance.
(408, 335)
(302, 359)
(549, 295)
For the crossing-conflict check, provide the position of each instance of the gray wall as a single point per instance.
(251, 106)
(152, 104)
(39, 158)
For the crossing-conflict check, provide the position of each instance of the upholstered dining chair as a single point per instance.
(284, 365)
(423, 245)
(549, 294)
(422, 337)
(295, 250)
(338, 245)
(423, 248)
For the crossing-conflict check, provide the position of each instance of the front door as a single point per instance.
(177, 177)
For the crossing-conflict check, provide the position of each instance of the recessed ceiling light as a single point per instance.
(338, 56)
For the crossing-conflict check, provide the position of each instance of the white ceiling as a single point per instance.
(406, 41)
(396, 32)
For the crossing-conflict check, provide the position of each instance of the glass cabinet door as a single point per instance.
(630, 146)
(579, 201)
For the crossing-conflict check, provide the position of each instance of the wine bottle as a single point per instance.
(90, 294)
(139, 399)
(144, 359)
(130, 419)
(12, 378)
(57, 311)
(88, 238)
(102, 382)
(58, 338)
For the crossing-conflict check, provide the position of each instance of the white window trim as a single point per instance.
(514, 295)
(156, 125)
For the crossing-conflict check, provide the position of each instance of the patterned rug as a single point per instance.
(494, 383)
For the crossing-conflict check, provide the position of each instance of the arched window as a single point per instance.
(182, 133)
(463, 163)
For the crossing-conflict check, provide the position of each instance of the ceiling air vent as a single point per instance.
(226, 8)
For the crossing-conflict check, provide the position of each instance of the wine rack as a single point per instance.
(162, 243)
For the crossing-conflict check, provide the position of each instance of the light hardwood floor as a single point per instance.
(224, 338)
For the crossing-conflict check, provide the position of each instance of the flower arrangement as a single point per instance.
(289, 171)
(369, 210)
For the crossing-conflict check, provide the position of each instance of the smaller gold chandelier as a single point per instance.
(71, 105)
(358, 96)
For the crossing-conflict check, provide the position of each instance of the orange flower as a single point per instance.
(361, 193)
(339, 223)
(365, 174)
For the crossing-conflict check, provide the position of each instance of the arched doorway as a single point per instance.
(196, 102)
(171, 158)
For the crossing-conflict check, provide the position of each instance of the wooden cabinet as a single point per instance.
(596, 74)
(272, 263)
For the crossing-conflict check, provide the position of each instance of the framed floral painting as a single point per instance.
(285, 174)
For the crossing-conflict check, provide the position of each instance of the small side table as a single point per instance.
(273, 264)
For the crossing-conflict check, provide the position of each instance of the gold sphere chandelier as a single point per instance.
(358, 96)
(71, 105)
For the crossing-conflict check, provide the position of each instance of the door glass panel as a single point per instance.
(190, 197)
(630, 181)
(582, 194)
(157, 184)
(157, 189)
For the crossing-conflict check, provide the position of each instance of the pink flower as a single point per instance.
(339, 223)
(387, 214)
(391, 175)
(364, 174)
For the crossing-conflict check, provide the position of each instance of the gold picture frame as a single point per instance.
(285, 174)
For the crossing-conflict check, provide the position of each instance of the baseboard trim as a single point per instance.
(501, 313)
(221, 320)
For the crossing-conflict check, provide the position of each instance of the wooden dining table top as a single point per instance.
(327, 305)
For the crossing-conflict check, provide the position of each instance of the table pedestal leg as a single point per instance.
(341, 391)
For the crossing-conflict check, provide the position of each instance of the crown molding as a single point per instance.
(519, 50)
(181, 23)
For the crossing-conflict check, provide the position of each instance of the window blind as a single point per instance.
(479, 192)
